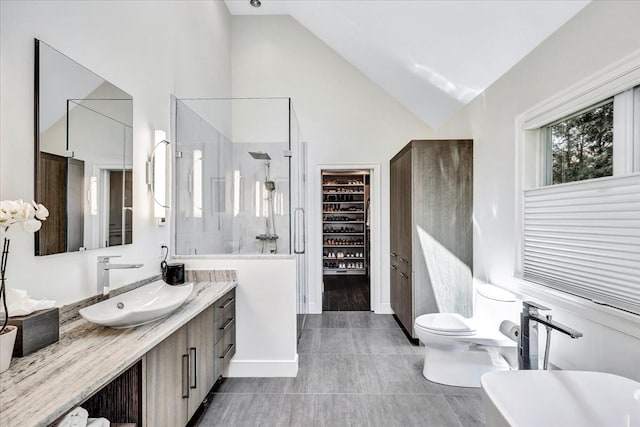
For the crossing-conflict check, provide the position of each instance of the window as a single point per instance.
(580, 191)
(580, 147)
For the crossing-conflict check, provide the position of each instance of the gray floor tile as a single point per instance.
(330, 319)
(369, 320)
(313, 321)
(239, 410)
(452, 390)
(364, 374)
(393, 374)
(382, 341)
(468, 409)
(326, 373)
(410, 410)
(323, 410)
(326, 341)
(254, 385)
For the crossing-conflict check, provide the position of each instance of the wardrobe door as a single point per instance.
(406, 233)
(53, 189)
(395, 237)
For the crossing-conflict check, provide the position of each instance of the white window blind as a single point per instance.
(584, 238)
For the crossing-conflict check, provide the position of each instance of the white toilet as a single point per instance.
(459, 350)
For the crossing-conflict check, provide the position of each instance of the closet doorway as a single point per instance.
(346, 240)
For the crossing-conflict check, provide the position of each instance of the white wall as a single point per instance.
(150, 50)
(599, 35)
(265, 312)
(344, 116)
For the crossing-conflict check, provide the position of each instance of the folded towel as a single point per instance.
(76, 418)
(98, 422)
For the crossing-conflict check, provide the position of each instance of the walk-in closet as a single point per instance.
(345, 236)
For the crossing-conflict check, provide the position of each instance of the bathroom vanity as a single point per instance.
(165, 369)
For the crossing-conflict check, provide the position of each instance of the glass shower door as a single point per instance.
(299, 226)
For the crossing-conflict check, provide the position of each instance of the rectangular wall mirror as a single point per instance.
(83, 156)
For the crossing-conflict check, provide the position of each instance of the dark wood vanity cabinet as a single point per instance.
(180, 372)
(431, 190)
(225, 332)
(184, 367)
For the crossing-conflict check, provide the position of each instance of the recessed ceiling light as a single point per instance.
(255, 3)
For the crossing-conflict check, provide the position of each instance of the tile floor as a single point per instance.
(346, 293)
(356, 369)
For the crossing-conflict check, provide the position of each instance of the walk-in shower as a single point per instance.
(237, 169)
(239, 176)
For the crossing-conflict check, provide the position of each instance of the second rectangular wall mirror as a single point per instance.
(84, 156)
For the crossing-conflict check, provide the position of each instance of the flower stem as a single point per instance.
(3, 290)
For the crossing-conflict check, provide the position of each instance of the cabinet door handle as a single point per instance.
(223, 355)
(393, 267)
(393, 254)
(406, 261)
(185, 376)
(226, 324)
(404, 275)
(193, 371)
(227, 303)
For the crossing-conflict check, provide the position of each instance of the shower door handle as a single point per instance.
(299, 232)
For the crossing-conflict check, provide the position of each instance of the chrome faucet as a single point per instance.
(104, 266)
(528, 348)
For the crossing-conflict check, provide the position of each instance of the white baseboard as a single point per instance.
(314, 308)
(385, 308)
(263, 368)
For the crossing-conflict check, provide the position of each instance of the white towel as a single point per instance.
(76, 418)
(98, 422)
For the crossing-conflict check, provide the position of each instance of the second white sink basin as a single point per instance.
(142, 305)
(560, 399)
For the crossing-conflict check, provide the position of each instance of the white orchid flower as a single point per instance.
(4, 218)
(41, 211)
(27, 211)
(31, 225)
(28, 215)
(12, 207)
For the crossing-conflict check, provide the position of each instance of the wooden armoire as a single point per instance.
(431, 229)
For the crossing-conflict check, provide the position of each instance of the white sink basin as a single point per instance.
(560, 399)
(139, 306)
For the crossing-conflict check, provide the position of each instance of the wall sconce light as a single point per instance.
(93, 195)
(157, 175)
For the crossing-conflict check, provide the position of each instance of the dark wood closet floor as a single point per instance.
(346, 293)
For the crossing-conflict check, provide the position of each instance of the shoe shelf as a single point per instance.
(343, 223)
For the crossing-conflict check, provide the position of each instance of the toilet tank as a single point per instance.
(493, 304)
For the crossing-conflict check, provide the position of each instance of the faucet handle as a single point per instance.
(105, 258)
(530, 304)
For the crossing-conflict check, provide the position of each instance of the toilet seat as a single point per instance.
(446, 324)
(458, 328)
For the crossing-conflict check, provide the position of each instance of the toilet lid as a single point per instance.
(495, 293)
(445, 322)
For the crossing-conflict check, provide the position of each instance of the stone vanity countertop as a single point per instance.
(40, 388)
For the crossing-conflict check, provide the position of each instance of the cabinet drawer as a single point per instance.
(225, 322)
(228, 300)
(225, 349)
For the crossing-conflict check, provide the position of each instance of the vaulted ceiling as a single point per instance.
(432, 56)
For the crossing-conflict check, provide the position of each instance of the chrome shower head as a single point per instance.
(255, 3)
(259, 156)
